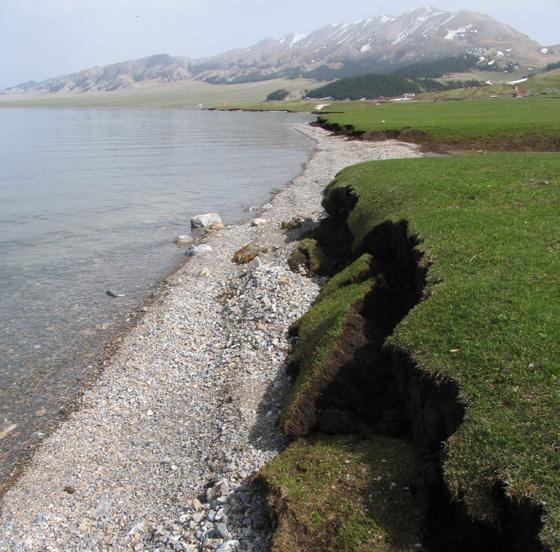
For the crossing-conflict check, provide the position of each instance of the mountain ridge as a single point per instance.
(380, 44)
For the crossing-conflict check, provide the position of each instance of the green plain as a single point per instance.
(498, 124)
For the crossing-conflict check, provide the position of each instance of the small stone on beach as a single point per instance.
(195, 250)
(205, 221)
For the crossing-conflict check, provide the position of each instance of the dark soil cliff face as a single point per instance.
(365, 392)
(378, 390)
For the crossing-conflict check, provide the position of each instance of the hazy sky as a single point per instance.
(40, 39)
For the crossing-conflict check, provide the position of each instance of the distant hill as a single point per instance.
(413, 79)
(380, 44)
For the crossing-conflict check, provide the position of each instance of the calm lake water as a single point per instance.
(91, 200)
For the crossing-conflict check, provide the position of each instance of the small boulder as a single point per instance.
(206, 221)
(195, 250)
(114, 293)
(185, 239)
(259, 222)
(246, 254)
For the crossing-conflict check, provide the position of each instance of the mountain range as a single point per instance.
(380, 44)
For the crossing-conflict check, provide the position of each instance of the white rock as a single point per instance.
(194, 250)
(205, 221)
(259, 222)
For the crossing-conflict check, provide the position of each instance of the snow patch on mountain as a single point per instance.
(386, 19)
(454, 34)
(290, 40)
(424, 22)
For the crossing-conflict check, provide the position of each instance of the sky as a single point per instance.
(40, 39)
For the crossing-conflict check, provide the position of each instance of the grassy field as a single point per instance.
(488, 230)
(543, 84)
(252, 95)
(187, 94)
(489, 225)
(500, 124)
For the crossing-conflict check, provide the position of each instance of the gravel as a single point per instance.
(161, 452)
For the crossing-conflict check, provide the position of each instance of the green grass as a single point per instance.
(490, 232)
(349, 276)
(320, 330)
(346, 495)
(550, 79)
(492, 124)
(491, 228)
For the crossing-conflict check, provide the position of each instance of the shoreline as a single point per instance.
(58, 319)
(186, 404)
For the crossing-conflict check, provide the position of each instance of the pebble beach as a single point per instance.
(161, 451)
